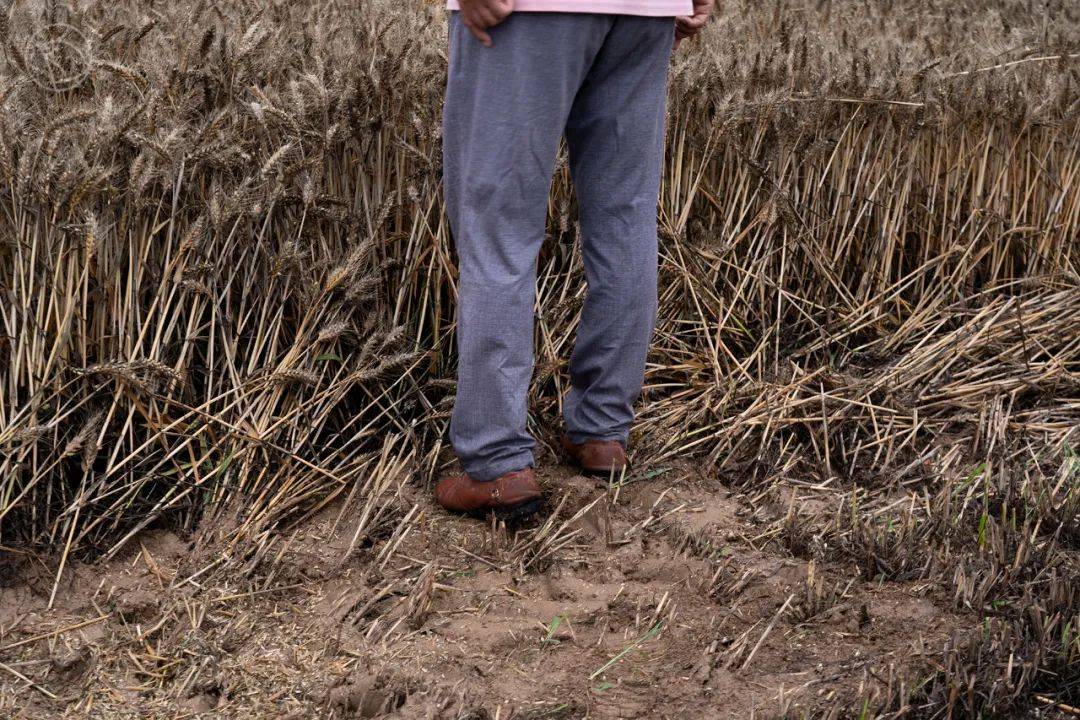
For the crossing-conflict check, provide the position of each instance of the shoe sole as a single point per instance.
(519, 512)
(598, 472)
(510, 514)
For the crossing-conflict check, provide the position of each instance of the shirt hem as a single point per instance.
(647, 8)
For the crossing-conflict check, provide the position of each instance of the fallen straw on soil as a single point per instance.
(227, 334)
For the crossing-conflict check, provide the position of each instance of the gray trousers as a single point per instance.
(601, 80)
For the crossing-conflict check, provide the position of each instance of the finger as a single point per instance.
(484, 18)
(475, 19)
(697, 21)
(491, 14)
(468, 19)
(678, 40)
(502, 10)
(477, 32)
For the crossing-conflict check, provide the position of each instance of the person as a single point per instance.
(521, 74)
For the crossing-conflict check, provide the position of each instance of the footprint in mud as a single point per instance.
(137, 605)
(362, 696)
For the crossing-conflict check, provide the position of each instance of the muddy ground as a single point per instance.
(663, 596)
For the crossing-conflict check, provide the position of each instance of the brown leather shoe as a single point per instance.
(599, 457)
(511, 496)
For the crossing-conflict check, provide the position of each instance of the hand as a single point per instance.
(480, 15)
(690, 25)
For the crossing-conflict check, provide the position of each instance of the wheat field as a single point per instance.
(228, 321)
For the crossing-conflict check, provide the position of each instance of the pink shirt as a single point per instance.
(660, 8)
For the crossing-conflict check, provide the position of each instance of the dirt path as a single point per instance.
(665, 597)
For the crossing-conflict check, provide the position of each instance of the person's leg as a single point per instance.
(505, 110)
(615, 135)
